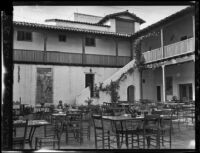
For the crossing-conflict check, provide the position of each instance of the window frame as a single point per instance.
(62, 36)
(24, 36)
(90, 38)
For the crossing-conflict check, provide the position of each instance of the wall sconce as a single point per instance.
(90, 70)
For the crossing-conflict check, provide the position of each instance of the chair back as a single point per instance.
(23, 125)
(97, 122)
(74, 119)
(151, 122)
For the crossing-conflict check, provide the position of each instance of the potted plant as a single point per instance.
(89, 101)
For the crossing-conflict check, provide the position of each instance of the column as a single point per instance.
(161, 39)
(193, 28)
(163, 82)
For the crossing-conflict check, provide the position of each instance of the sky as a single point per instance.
(38, 14)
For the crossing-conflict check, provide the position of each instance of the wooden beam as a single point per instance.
(162, 45)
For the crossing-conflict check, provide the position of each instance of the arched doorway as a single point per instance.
(131, 93)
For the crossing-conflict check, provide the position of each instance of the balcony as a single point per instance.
(53, 57)
(176, 49)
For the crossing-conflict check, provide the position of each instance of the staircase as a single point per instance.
(85, 93)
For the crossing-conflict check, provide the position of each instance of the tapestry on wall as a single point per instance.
(44, 93)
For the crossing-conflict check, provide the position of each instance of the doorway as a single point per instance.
(185, 91)
(158, 89)
(89, 82)
(131, 93)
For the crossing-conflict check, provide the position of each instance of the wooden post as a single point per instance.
(83, 49)
(116, 49)
(45, 47)
(141, 88)
(193, 25)
(161, 39)
(163, 80)
(131, 49)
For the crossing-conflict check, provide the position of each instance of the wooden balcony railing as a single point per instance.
(179, 48)
(68, 58)
(65, 58)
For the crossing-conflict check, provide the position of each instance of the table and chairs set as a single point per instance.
(74, 122)
(123, 125)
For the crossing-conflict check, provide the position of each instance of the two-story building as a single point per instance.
(58, 60)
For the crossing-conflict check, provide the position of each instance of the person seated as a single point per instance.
(60, 105)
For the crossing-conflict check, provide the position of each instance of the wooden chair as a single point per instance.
(73, 127)
(134, 133)
(21, 140)
(151, 131)
(86, 124)
(52, 137)
(101, 135)
(166, 127)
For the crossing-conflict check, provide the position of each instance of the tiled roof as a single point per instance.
(53, 27)
(164, 21)
(94, 24)
(121, 13)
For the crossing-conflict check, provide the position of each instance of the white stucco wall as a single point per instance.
(124, 47)
(137, 26)
(73, 42)
(37, 42)
(112, 24)
(132, 79)
(68, 81)
(182, 74)
(104, 46)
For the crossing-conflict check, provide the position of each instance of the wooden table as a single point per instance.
(120, 119)
(33, 124)
(123, 118)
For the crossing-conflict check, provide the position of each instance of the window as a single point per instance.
(169, 86)
(90, 41)
(62, 38)
(24, 36)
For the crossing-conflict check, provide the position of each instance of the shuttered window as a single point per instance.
(62, 38)
(90, 41)
(24, 36)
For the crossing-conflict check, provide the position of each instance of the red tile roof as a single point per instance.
(53, 27)
(60, 20)
(121, 13)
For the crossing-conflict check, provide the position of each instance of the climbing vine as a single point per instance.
(113, 87)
